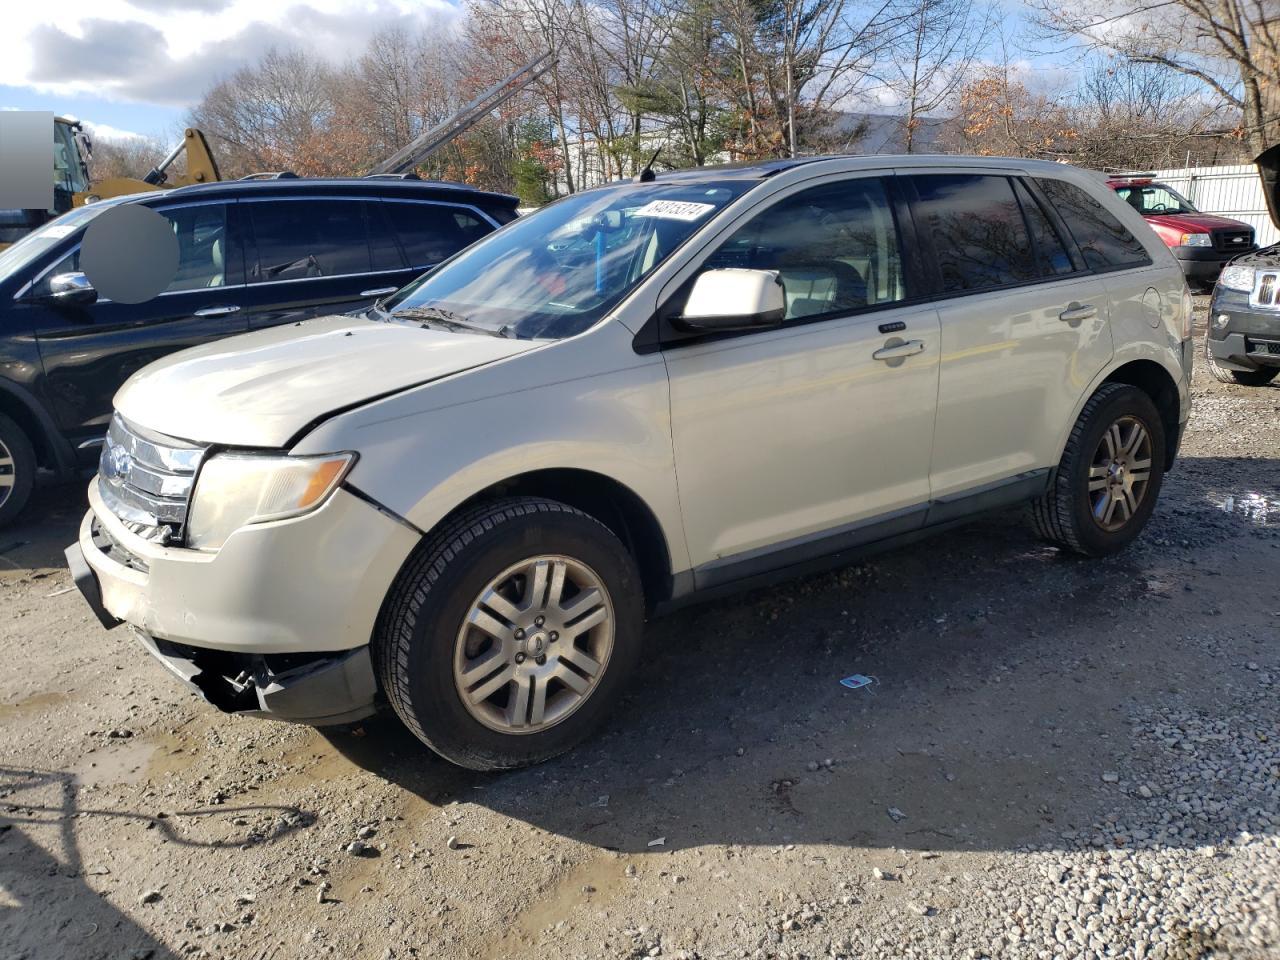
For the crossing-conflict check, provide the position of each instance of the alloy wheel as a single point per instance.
(1120, 473)
(8, 473)
(534, 645)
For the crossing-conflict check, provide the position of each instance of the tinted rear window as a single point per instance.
(1052, 252)
(307, 238)
(1105, 242)
(979, 237)
(431, 232)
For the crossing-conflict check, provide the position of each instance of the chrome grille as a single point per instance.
(145, 479)
(1266, 289)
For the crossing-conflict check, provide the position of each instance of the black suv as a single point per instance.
(252, 254)
(1242, 344)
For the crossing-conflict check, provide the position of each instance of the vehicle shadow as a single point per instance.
(49, 908)
(1010, 678)
(48, 524)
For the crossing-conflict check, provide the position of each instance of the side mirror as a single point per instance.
(72, 289)
(734, 299)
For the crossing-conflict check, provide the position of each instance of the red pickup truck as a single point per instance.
(1202, 242)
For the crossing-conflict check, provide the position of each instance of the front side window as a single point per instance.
(1104, 241)
(303, 239)
(558, 271)
(201, 232)
(202, 246)
(979, 238)
(835, 248)
(1153, 199)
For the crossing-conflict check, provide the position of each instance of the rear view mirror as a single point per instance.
(734, 299)
(72, 289)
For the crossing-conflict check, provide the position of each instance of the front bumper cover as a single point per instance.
(317, 689)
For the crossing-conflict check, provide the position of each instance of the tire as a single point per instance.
(1246, 378)
(425, 645)
(17, 470)
(1065, 515)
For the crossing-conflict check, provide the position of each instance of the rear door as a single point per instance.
(1024, 329)
(307, 257)
(87, 352)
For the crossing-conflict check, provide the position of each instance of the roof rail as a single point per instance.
(271, 175)
(392, 176)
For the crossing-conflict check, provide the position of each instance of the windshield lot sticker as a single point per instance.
(674, 210)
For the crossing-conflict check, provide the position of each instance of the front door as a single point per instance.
(796, 438)
(87, 352)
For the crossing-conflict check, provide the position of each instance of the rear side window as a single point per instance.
(299, 239)
(1051, 251)
(1104, 241)
(431, 232)
(979, 238)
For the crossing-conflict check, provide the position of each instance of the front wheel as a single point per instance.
(509, 635)
(1109, 477)
(17, 470)
(1246, 378)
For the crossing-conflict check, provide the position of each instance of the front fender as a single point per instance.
(425, 452)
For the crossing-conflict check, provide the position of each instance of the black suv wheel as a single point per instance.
(509, 635)
(1109, 476)
(17, 470)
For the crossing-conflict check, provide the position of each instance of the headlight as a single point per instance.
(1196, 240)
(1236, 278)
(236, 489)
(1188, 312)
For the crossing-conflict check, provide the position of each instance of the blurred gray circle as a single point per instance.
(129, 253)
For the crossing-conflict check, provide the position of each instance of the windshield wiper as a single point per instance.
(438, 316)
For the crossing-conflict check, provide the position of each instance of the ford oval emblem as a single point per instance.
(118, 463)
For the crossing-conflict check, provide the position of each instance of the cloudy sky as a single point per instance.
(133, 66)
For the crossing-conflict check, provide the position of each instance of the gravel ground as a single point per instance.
(1059, 759)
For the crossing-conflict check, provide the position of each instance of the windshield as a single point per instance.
(556, 272)
(1153, 199)
(37, 243)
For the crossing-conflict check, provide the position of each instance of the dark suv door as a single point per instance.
(88, 351)
(311, 256)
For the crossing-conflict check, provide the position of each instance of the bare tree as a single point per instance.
(935, 48)
(1230, 47)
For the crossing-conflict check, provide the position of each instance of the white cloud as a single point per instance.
(106, 132)
(169, 51)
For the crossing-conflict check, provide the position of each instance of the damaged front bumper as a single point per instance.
(319, 690)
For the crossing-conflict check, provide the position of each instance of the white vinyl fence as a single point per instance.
(1234, 191)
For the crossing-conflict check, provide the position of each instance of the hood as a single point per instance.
(1269, 168)
(1195, 222)
(261, 389)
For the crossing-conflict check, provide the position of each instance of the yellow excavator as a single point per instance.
(73, 188)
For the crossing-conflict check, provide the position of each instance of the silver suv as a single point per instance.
(468, 499)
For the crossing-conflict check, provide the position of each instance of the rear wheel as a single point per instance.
(509, 636)
(1109, 476)
(17, 470)
(1246, 378)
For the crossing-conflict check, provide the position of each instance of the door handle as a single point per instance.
(216, 311)
(378, 292)
(1078, 312)
(897, 351)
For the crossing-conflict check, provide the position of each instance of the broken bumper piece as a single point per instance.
(316, 689)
